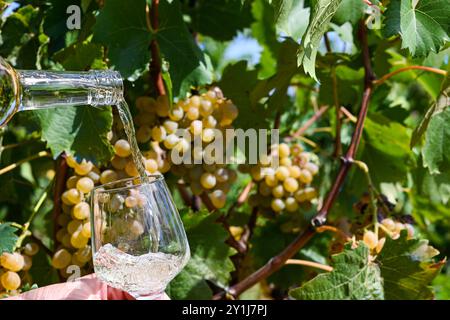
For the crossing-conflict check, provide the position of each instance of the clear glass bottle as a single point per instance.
(35, 89)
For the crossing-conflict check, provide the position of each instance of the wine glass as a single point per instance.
(138, 240)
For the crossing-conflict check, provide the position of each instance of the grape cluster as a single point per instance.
(14, 269)
(390, 228)
(74, 225)
(288, 186)
(157, 124)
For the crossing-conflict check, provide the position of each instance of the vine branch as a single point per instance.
(393, 73)
(27, 159)
(26, 226)
(276, 262)
(309, 264)
(310, 122)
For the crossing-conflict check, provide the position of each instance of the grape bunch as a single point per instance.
(156, 124)
(74, 225)
(199, 115)
(288, 186)
(14, 269)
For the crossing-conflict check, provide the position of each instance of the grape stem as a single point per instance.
(276, 262)
(349, 115)
(337, 143)
(27, 159)
(310, 122)
(242, 198)
(184, 194)
(59, 185)
(231, 240)
(309, 264)
(341, 233)
(373, 200)
(25, 228)
(248, 233)
(393, 73)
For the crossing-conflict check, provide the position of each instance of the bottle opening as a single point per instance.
(108, 89)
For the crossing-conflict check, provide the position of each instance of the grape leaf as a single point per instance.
(436, 150)
(240, 95)
(441, 287)
(122, 27)
(350, 10)
(385, 150)
(291, 18)
(81, 57)
(435, 187)
(21, 40)
(188, 66)
(354, 277)
(220, 19)
(437, 106)
(264, 30)
(407, 268)
(80, 131)
(209, 257)
(8, 237)
(323, 11)
(16, 28)
(274, 89)
(423, 25)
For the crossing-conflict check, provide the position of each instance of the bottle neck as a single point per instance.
(48, 89)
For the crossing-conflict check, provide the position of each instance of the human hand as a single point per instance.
(85, 288)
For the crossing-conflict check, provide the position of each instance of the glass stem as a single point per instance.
(47, 89)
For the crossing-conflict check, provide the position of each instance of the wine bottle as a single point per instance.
(37, 89)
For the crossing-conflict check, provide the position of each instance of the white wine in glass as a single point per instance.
(138, 240)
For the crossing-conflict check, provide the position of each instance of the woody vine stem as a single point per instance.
(276, 262)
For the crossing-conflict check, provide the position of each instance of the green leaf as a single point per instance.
(385, 149)
(80, 131)
(81, 57)
(423, 25)
(441, 286)
(8, 237)
(209, 257)
(353, 277)
(439, 105)
(121, 26)
(348, 85)
(407, 268)
(21, 40)
(435, 187)
(240, 95)
(436, 151)
(188, 66)
(323, 11)
(275, 87)
(263, 29)
(291, 18)
(220, 19)
(351, 11)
